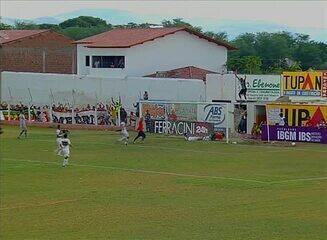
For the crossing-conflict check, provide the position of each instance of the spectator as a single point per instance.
(96, 64)
(123, 115)
(242, 124)
(147, 118)
(145, 96)
(137, 109)
(132, 119)
(113, 114)
(282, 120)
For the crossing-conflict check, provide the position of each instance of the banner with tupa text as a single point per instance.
(305, 84)
(296, 123)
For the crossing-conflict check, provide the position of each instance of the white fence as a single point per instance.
(45, 89)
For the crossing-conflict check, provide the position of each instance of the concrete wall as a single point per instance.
(172, 51)
(44, 88)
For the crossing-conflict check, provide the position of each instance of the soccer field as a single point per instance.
(164, 188)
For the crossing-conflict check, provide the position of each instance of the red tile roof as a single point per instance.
(7, 36)
(124, 38)
(189, 72)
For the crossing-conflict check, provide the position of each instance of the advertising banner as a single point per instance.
(295, 134)
(324, 85)
(103, 117)
(62, 117)
(261, 88)
(156, 110)
(182, 127)
(213, 113)
(181, 111)
(296, 114)
(303, 84)
(85, 117)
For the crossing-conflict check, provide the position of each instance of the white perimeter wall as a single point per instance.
(172, 51)
(88, 89)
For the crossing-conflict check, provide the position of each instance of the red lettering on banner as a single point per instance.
(307, 83)
(324, 85)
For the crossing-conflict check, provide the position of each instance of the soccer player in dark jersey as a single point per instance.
(140, 130)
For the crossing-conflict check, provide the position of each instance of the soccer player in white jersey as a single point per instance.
(190, 138)
(58, 139)
(124, 133)
(65, 144)
(22, 125)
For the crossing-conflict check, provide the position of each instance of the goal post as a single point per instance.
(204, 119)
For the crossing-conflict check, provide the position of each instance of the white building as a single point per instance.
(138, 52)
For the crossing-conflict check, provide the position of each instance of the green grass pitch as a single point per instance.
(165, 188)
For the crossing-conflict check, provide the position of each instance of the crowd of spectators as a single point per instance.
(107, 114)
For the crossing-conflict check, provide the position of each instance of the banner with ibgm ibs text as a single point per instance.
(294, 134)
(303, 123)
(309, 84)
(296, 114)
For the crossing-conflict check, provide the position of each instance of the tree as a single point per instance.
(78, 33)
(274, 48)
(4, 26)
(310, 54)
(220, 36)
(49, 26)
(178, 22)
(247, 64)
(25, 25)
(252, 64)
(83, 21)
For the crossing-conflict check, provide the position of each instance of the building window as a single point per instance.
(87, 61)
(108, 61)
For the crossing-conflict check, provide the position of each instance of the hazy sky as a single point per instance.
(312, 14)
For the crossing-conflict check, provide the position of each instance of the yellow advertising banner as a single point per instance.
(297, 114)
(310, 84)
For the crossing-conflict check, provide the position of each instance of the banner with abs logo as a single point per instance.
(297, 114)
(213, 113)
(310, 84)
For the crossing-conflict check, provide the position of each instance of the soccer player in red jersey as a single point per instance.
(140, 130)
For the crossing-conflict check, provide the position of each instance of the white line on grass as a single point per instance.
(300, 180)
(172, 148)
(41, 204)
(143, 171)
(176, 174)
